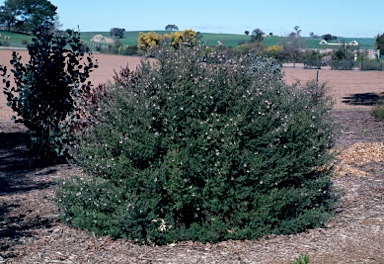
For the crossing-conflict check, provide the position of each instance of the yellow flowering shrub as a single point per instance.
(149, 40)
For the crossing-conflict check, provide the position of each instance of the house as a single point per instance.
(352, 43)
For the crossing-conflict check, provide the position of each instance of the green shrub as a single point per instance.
(46, 87)
(342, 64)
(186, 150)
(343, 58)
(312, 59)
(371, 65)
(131, 50)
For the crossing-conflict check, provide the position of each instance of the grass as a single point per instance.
(16, 39)
(211, 39)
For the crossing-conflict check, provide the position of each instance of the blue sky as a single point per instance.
(347, 18)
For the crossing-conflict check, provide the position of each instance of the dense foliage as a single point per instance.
(186, 150)
(46, 88)
(343, 58)
(379, 44)
(27, 15)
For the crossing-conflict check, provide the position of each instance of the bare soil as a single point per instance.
(30, 231)
(350, 89)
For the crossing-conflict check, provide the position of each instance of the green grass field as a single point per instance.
(232, 40)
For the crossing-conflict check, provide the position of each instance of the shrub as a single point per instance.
(46, 87)
(130, 50)
(343, 58)
(98, 48)
(185, 150)
(371, 65)
(312, 59)
(342, 64)
(254, 47)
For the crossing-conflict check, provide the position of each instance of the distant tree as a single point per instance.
(328, 37)
(271, 34)
(171, 27)
(379, 45)
(257, 35)
(292, 46)
(27, 15)
(246, 32)
(343, 57)
(297, 31)
(199, 36)
(313, 35)
(292, 35)
(117, 32)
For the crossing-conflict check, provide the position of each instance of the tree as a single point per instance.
(199, 36)
(27, 15)
(46, 88)
(171, 27)
(343, 58)
(257, 35)
(297, 31)
(246, 32)
(313, 35)
(327, 37)
(292, 45)
(9, 13)
(117, 32)
(379, 45)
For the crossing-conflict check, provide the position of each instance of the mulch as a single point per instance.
(30, 231)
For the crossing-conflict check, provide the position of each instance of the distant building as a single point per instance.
(352, 43)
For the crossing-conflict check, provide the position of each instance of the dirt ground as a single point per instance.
(349, 89)
(30, 231)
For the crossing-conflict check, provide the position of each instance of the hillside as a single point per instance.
(211, 39)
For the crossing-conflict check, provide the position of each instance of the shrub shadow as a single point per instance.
(17, 228)
(19, 174)
(367, 99)
(17, 164)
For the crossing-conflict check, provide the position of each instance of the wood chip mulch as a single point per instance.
(30, 231)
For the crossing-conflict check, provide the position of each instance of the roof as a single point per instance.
(352, 43)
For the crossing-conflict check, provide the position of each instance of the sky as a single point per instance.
(344, 18)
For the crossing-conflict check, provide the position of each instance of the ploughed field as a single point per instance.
(30, 231)
(350, 89)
